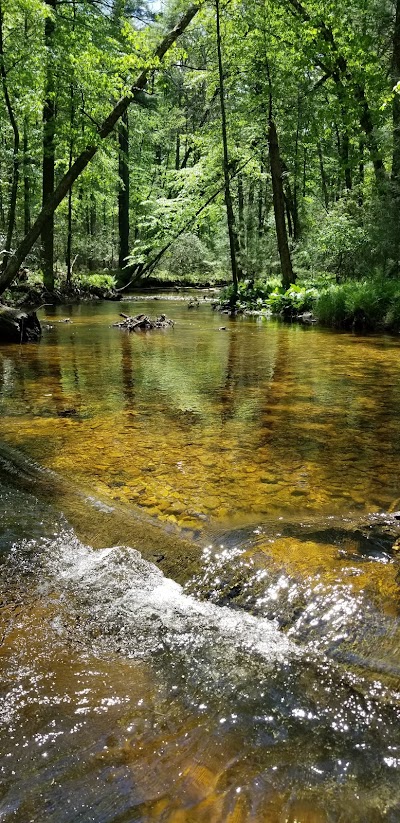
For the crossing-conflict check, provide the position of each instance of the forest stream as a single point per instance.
(199, 615)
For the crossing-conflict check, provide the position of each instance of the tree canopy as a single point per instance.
(264, 135)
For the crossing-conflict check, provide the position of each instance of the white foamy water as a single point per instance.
(128, 603)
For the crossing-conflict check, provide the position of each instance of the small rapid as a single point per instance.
(113, 674)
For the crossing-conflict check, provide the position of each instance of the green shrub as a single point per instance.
(188, 256)
(330, 307)
(292, 302)
(252, 294)
(338, 241)
(161, 277)
(365, 305)
(89, 283)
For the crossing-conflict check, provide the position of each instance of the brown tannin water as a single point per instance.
(199, 592)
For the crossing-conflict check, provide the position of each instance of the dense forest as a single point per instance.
(221, 139)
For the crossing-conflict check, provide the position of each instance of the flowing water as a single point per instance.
(199, 606)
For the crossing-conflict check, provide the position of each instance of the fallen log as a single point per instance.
(143, 323)
(17, 326)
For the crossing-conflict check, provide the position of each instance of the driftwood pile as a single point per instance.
(143, 323)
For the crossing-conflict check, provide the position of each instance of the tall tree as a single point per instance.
(48, 165)
(16, 147)
(123, 193)
(233, 238)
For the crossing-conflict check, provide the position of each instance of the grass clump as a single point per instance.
(365, 305)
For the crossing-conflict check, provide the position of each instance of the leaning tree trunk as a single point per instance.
(288, 276)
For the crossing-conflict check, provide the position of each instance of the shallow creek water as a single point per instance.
(199, 615)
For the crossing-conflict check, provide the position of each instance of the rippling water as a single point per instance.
(265, 685)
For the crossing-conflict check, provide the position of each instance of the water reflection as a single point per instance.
(308, 420)
(267, 688)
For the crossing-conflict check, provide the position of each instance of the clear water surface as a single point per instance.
(206, 633)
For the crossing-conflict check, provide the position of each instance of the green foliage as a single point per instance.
(366, 305)
(338, 241)
(252, 294)
(346, 220)
(160, 277)
(293, 301)
(188, 255)
(94, 283)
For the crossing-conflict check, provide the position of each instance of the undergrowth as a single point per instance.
(370, 305)
(360, 305)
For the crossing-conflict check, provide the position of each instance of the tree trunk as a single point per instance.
(396, 99)
(295, 210)
(288, 276)
(260, 205)
(123, 194)
(87, 155)
(68, 256)
(324, 183)
(178, 151)
(47, 235)
(27, 182)
(291, 206)
(18, 327)
(346, 160)
(241, 214)
(16, 143)
(26, 161)
(288, 215)
(250, 219)
(233, 239)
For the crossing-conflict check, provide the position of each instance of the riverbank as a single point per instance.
(369, 305)
(29, 291)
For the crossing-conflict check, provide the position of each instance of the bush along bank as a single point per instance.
(356, 305)
(29, 290)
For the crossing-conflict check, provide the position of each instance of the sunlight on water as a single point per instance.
(267, 687)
